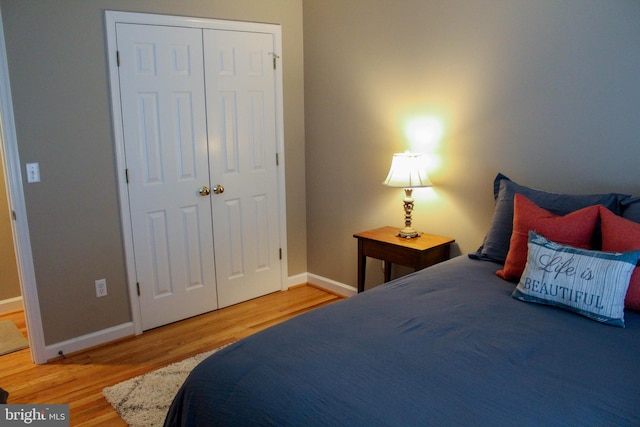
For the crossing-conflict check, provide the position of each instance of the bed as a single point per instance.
(454, 344)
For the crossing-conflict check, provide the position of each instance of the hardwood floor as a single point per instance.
(79, 378)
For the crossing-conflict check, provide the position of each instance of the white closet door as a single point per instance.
(165, 137)
(242, 156)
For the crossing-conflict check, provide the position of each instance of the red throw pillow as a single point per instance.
(574, 229)
(621, 235)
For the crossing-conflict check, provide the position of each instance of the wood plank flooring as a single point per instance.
(79, 378)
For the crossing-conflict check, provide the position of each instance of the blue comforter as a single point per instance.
(443, 346)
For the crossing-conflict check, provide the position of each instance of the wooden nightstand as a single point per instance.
(383, 243)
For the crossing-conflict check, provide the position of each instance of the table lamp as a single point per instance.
(407, 171)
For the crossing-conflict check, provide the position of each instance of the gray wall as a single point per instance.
(545, 91)
(58, 71)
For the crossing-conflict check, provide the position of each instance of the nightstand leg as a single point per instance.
(362, 266)
(387, 271)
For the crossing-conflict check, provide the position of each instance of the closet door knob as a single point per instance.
(218, 189)
(204, 191)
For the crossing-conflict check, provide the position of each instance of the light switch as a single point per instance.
(33, 172)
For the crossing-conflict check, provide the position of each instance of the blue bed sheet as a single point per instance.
(443, 346)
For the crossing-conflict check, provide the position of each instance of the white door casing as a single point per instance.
(165, 138)
(265, 201)
(17, 204)
(242, 152)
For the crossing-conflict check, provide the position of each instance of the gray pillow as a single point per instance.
(496, 243)
(631, 209)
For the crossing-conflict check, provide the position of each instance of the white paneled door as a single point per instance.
(242, 152)
(200, 142)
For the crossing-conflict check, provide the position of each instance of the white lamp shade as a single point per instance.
(407, 171)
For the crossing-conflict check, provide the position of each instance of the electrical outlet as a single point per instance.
(101, 288)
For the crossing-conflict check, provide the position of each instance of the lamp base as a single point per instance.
(408, 233)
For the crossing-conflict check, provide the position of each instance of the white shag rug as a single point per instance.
(143, 401)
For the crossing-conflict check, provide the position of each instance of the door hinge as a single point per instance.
(277, 160)
(275, 59)
(126, 175)
(280, 253)
(14, 216)
(118, 57)
(138, 287)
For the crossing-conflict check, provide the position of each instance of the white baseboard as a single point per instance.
(321, 282)
(90, 340)
(298, 279)
(11, 304)
(331, 285)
